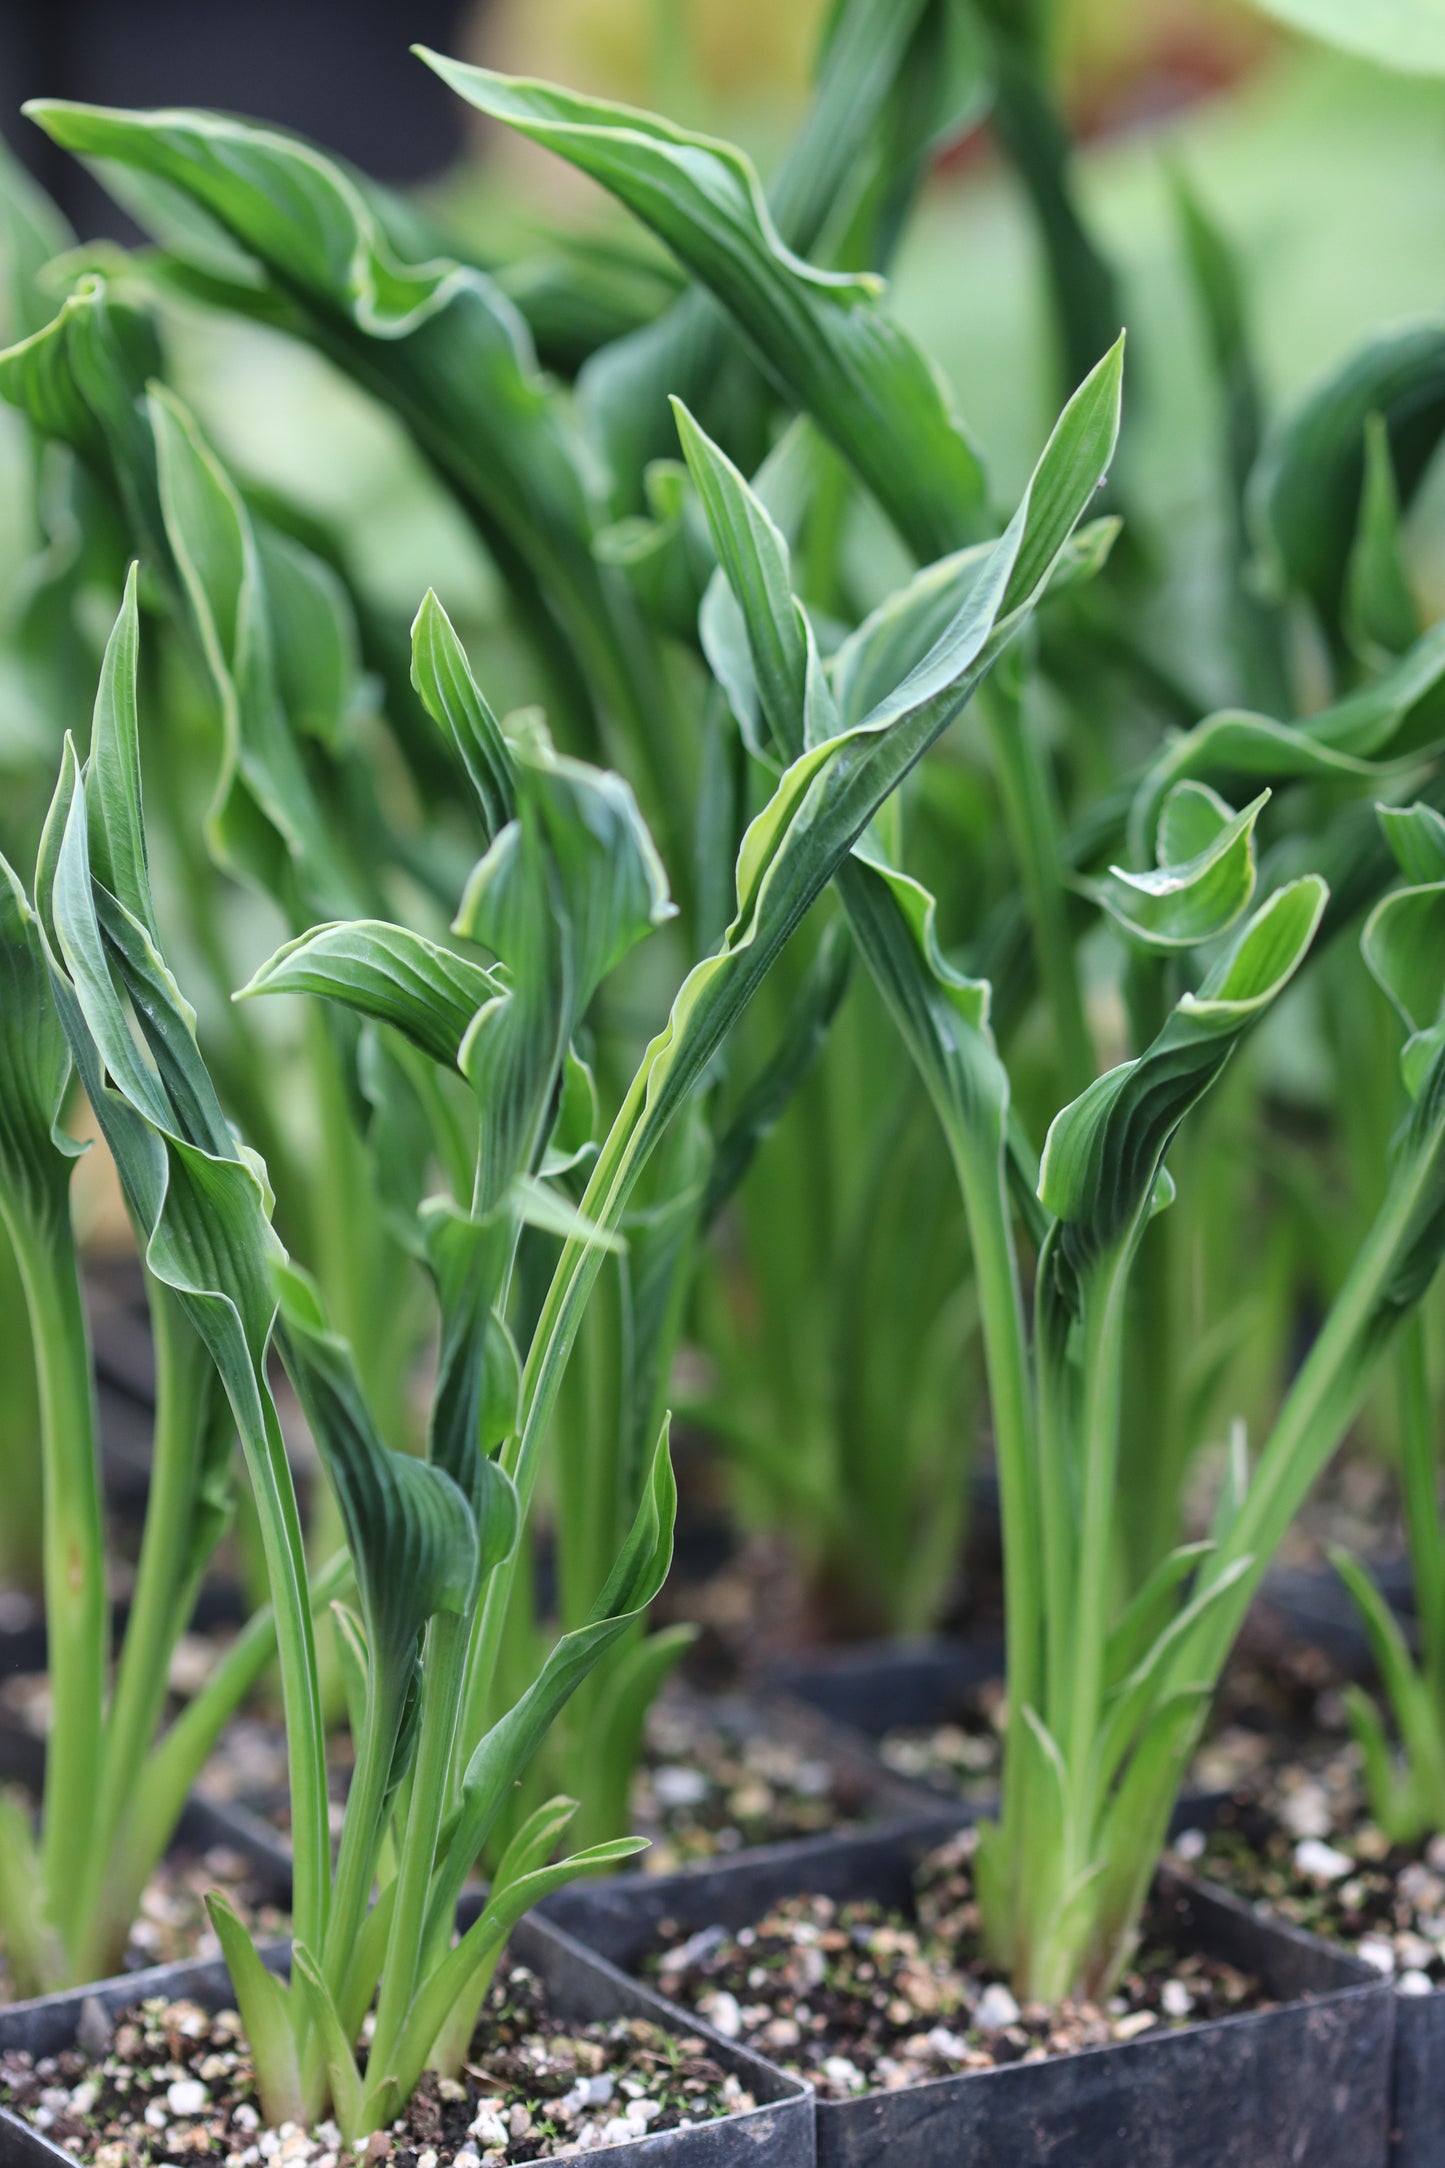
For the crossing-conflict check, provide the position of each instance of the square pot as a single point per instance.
(879, 1798)
(1417, 2085)
(1306, 2082)
(777, 2133)
(876, 1685)
(1417, 2096)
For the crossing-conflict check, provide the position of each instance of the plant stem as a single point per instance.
(444, 1670)
(1421, 1499)
(361, 1832)
(166, 1582)
(1329, 1386)
(275, 1495)
(1105, 1302)
(74, 1559)
(1033, 821)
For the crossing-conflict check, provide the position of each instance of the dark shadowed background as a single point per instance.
(337, 70)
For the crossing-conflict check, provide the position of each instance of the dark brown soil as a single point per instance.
(857, 1999)
(173, 2082)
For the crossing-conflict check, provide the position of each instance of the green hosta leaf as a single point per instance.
(574, 1134)
(437, 339)
(787, 674)
(942, 1014)
(32, 1951)
(466, 1971)
(1104, 1153)
(1204, 878)
(400, 978)
(411, 1532)
(1380, 615)
(1416, 836)
(200, 1203)
(566, 889)
(1306, 490)
(865, 63)
(1404, 937)
(798, 843)
(823, 336)
(265, 2007)
(118, 844)
(619, 1726)
(898, 634)
(450, 694)
(503, 1754)
(474, 1406)
(1409, 1694)
(1395, 717)
(1147, 1612)
(35, 1152)
(611, 887)
(264, 814)
(309, 1987)
(1404, 946)
(82, 379)
(1133, 1702)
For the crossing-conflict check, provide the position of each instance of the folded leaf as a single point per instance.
(450, 694)
(411, 1532)
(1396, 716)
(436, 338)
(822, 336)
(1204, 877)
(1104, 1153)
(386, 972)
(35, 1152)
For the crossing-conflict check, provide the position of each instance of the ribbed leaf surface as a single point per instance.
(1104, 1153)
(823, 336)
(388, 973)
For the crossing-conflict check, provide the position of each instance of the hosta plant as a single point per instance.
(112, 1793)
(557, 487)
(1106, 1697)
(568, 882)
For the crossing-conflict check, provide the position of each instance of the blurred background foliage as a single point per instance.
(1322, 171)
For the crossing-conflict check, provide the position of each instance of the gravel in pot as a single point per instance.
(1299, 1846)
(568, 2058)
(1228, 2040)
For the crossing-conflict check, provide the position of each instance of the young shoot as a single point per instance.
(1404, 946)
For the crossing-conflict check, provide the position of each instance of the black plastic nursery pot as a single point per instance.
(862, 1790)
(1417, 2099)
(220, 1603)
(201, 1829)
(1311, 1604)
(876, 1686)
(1306, 2081)
(776, 2133)
(1417, 2084)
